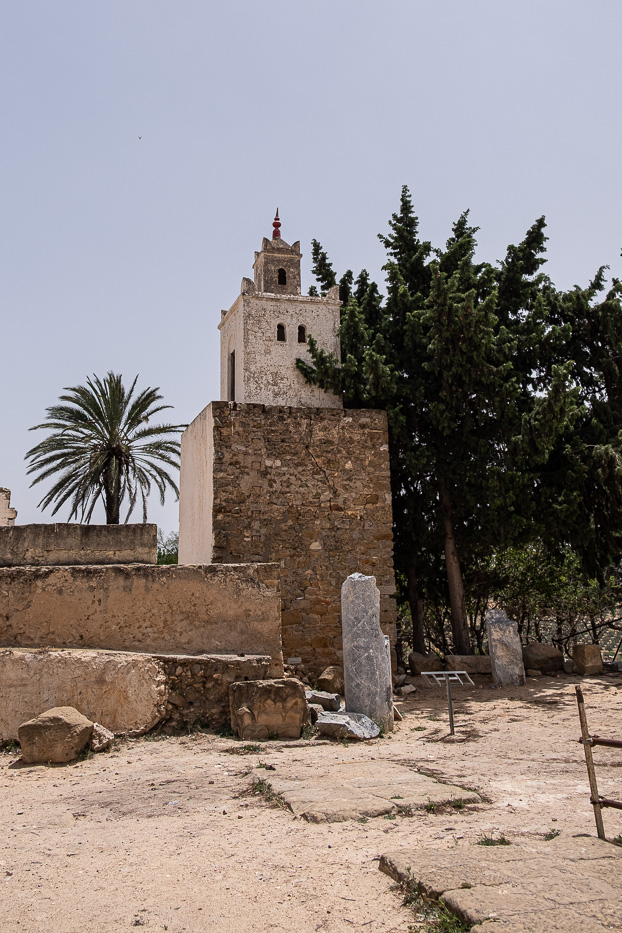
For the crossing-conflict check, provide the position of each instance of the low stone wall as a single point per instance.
(70, 544)
(126, 692)
(198, 688)
(164, 610)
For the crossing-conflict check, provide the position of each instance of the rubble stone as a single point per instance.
(329, 701)
(331, 680)
(587, 659)
(58, 735)
(101, 738)
(471, 663)
(347, 726)
(540, 657)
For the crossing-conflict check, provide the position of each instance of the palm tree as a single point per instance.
(103, 447)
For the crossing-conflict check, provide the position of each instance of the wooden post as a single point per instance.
(589, 761)
(450, 705)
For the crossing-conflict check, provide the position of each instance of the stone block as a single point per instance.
(505, 649)
(262, 709)
(58, 735)
(540, 657)
(471, 663)
(329, 701)
(587, 659)
(142, 608)
(331, 680)
(366, 662)
(423, 662)
(101, 738)
(124, 692)
(347, 726)
(68, 544)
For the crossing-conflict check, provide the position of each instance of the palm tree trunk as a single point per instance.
(459, 623)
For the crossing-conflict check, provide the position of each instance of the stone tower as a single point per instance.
(279, 473)
(266, 330)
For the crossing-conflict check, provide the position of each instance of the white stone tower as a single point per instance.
(265, 330)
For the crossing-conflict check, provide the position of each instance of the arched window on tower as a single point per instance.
(302, 333)
(280, 332)
(282, 277)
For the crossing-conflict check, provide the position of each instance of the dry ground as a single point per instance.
(164, 833)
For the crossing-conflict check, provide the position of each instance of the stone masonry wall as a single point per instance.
(309, 489)
(68, 544)
(144, 608)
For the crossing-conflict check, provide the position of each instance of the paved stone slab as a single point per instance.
(360, 789)
(563, 886)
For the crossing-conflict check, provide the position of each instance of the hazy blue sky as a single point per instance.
(119, 252)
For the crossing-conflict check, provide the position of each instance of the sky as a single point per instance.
(145, 145)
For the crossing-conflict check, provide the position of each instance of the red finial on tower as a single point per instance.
(276, 223)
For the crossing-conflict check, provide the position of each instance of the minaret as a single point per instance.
(267, 328)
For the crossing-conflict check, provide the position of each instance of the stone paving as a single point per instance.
(353, 791)
(561, 886)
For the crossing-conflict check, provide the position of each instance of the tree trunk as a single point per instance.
(416, 606)
(459, 623)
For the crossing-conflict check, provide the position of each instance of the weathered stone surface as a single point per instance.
(58, 735)
(471, 663)
(198, 687)
(347, 726)
(349, 790)
(423, 662)
(265, 708)
(139, 607)
(528, 887)
(568, 666)
(69, 544)
(366, 668)
(315, 710)
(530, 673)
(406, 690)
(123, 692)
(587, 659)
(505, 649)
(101, 738)
(308, 488)
(329, 701)
(331, 680)
(540, 657)
(7, 513)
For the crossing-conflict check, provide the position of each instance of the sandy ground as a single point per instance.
(164, 833)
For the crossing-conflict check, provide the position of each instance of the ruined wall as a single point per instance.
(7, 514)
(266, 367)
(173, 609)
(310, 489)
(196, 491)
(123, 691)
(69, 544)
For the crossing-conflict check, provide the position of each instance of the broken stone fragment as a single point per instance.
(331, 680)
(424, 662)
(263, 709)
(329, 701)
(101, 738)
(471, 663)
(540, 657)
(587, 659)
(505, 649)
(58, 735)
(405, 691)
(366, 660)
(347, 726)
(315, 710)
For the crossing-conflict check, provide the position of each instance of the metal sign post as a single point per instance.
(447, 678)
